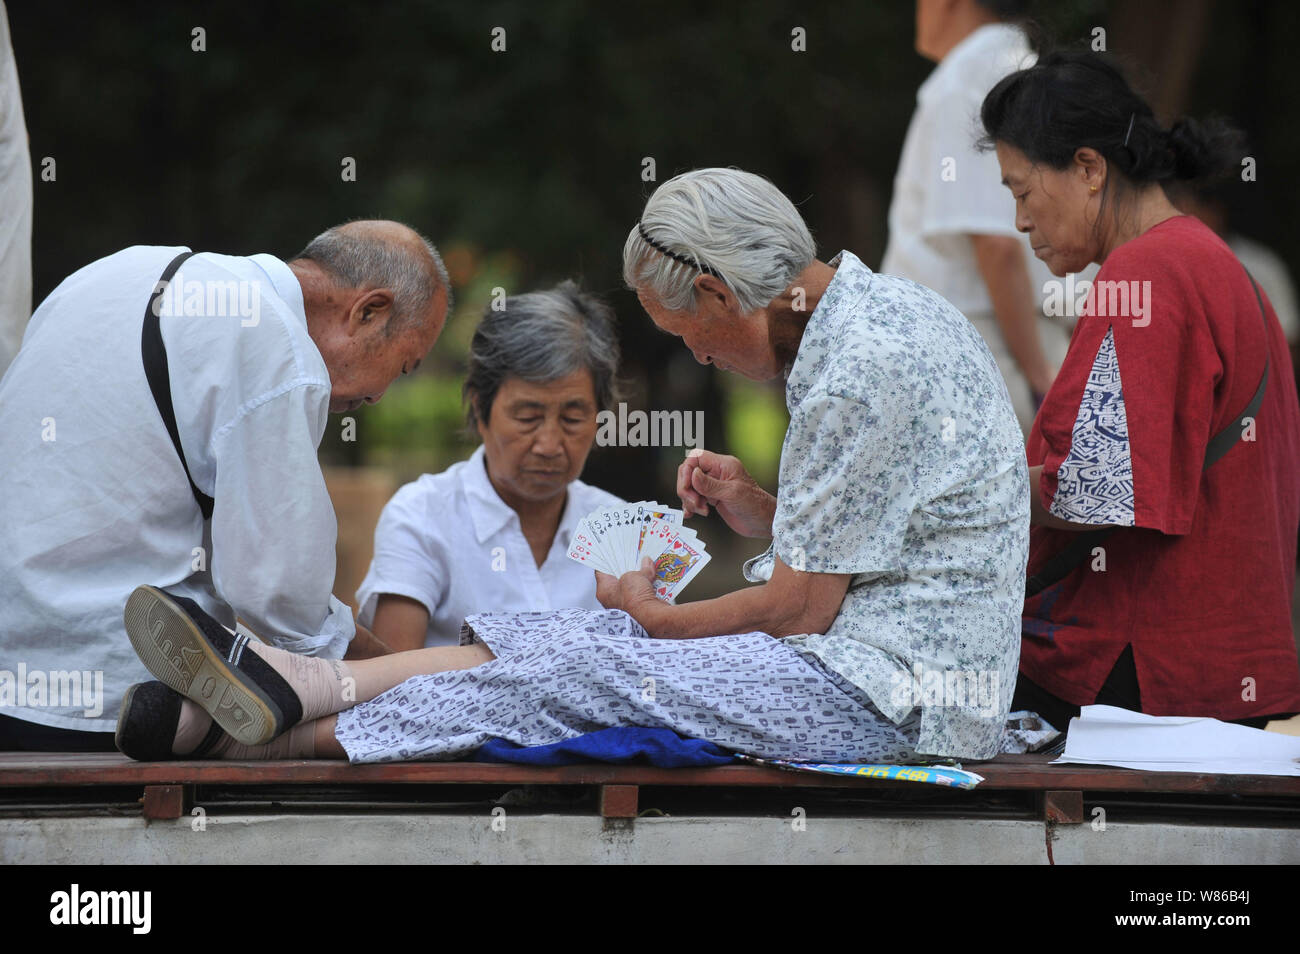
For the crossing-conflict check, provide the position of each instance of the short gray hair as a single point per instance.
(736, 223)
(356, 257)
(539, 337)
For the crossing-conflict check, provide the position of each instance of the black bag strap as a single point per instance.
(154, 354)
(1223, 441)
(1064, 563)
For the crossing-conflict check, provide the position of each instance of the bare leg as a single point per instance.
(323, 687)
(381, 673)
(327, 686)
(327, 746)
(306, 740)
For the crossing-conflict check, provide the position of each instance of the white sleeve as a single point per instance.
(758, 569)
(273, 526)
(1275, 281)
(1282, 297)
(407, 560)
(964, 194)
(15, 207)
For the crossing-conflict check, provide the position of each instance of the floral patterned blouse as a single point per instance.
(904, 466)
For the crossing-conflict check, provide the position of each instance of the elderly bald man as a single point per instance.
(168, 434)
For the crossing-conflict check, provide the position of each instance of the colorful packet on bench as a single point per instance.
(932, 774)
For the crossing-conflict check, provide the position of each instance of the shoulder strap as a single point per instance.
(154, 354)
(1223, 441)
(1064, 563)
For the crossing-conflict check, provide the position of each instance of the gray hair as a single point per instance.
(540, 337)
(736, 223)
(356, 257)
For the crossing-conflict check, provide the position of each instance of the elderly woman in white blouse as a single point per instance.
(490, 534)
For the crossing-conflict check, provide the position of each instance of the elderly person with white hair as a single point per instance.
(492, 533)
(887, 624)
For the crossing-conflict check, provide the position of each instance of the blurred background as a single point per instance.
(525, 166)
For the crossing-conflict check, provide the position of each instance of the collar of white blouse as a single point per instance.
(490, 514)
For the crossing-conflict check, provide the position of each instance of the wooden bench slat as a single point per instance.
(1032, 772)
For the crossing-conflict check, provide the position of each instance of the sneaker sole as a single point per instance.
(175, 650)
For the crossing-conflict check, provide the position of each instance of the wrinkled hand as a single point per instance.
(629, 591)
(706, 479)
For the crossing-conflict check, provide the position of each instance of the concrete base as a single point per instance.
(583, 839)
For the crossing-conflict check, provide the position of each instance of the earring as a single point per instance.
(1092, 188)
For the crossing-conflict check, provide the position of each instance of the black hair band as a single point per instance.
(673, 255)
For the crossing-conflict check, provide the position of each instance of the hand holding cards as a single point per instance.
(616, 539)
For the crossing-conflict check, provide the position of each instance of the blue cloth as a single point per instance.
(660, 747)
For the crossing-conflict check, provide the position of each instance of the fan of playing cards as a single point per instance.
(616, 539)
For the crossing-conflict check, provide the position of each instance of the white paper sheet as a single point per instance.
(1105, 735)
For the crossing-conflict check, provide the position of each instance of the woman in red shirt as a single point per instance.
(1156, 427)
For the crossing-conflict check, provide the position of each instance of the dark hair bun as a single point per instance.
(1203, 150)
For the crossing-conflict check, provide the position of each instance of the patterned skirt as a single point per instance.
(562, 674)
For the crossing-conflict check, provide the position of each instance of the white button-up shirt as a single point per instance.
(945, 189)
(15, 205)
(450, 542)
(95, 501)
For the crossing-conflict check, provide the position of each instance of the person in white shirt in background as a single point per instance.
(96, 499)
(1210, 204)
(15, 205)
(951, 221)
(491, 534)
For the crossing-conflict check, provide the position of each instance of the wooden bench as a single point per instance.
(168, 787)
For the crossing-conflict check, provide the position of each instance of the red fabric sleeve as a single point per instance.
(1169, 371)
